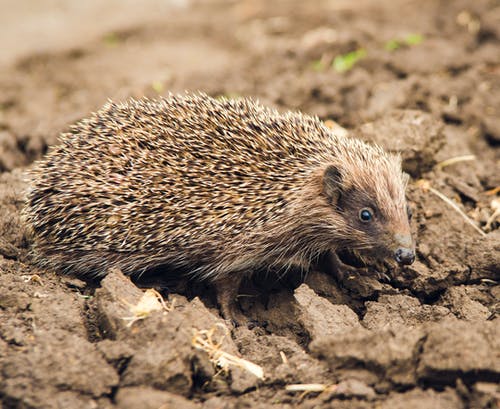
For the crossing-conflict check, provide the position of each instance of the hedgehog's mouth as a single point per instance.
(367, 263)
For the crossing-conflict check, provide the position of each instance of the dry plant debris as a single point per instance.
(495, 206)
(456, 159)
(284, 359)
(307, 388)
(493, 191)
(208, 341)
(150, 301)
(32, 278)
(425, 185)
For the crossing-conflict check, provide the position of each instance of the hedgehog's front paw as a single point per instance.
(227, 291)
(233, 314)
(342, 270)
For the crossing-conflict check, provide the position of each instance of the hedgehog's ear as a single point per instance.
(332, 182)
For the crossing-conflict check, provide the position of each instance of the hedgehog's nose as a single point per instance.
(404, 256)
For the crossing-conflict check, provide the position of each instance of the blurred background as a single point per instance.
(350, 62)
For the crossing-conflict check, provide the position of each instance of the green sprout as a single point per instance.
(413, 39)
(111, 39)
(392, 45)
(343, 63)
(409, 40)
(318, 65)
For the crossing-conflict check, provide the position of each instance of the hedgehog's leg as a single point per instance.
(227, 291)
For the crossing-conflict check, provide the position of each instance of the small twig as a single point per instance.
(307, 387)
(489, 281)
(456, 159)
(284, 358)
(426, 186)
(493, 192)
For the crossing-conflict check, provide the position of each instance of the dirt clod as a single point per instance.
(392, 355)
(461, 349)
(149, 398)
(401, 310)
(320, 317)
(415, 134)
(418, 398)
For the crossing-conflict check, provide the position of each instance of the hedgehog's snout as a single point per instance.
(404, 256)
(404, 253)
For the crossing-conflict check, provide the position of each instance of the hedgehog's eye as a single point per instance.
(366, 215)
(409, 212)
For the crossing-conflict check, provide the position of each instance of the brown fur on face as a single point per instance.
(379, 186)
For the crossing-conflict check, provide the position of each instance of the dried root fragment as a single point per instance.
(150, 301)
(206, 340)
(307, 388)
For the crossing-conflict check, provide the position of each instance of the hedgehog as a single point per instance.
(213, 189)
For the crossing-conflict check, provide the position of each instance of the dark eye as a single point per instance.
(409, 212)
(366, 215)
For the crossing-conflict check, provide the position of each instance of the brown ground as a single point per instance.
(428, 339)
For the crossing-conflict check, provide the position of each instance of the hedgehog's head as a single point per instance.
(367, 193)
